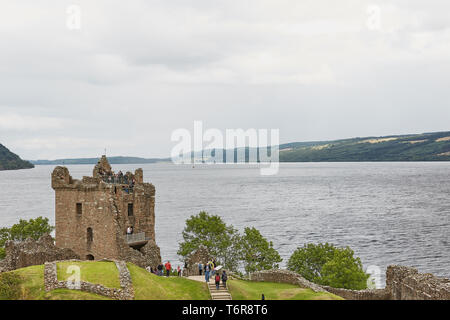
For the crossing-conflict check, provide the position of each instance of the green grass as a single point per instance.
(98, 272)
(148, 286)
(32, 287)
(251, 290)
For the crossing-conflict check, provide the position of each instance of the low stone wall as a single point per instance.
(405, 283)
(370, 294)
(284, 276)
(126, 292)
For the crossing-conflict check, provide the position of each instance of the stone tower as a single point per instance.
(92, 215)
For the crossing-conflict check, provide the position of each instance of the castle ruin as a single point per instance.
(92, 215)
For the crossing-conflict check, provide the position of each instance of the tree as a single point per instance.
(257, 253)
(210, 231)
(326, 264)
(33, 228)
(344, 271)
(309, 260)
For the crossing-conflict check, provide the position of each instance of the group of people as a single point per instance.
(211, 270)
(166, 268)
(120, 178)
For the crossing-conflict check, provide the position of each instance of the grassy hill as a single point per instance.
(147, 286)
(28, 284)
(416, 147)
(11, 161)
(250, 290)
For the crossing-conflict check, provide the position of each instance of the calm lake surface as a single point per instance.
(388, 213)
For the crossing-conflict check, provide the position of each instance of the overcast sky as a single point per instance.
(135, 71)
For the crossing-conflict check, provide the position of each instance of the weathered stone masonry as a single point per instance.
(402, 283)
(92, 215)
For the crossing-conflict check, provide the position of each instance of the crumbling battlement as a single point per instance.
(405, 283)
(92, 214)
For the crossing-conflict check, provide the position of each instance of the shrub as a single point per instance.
(10, 286)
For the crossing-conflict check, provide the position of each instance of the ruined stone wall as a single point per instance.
(143, 200)
(30, 252)
(405, 283)
(201, 255)
(284, 276)
(369, 294)
(72, 228)
(402, 283)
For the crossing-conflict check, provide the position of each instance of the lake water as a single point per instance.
(388, 213)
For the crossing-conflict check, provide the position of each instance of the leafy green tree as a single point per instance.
(344, 271)
(326, 264)
(257, 253)
(221, 240)
(33, 228)
(309, 260)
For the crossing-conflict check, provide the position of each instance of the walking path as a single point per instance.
(221, 294)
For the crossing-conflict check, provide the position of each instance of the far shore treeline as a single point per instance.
(413, 147)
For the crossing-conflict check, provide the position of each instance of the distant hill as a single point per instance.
(415, 147)
(433, 146)
(11, 161)
(112, 160)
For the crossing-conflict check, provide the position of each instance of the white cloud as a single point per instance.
(19, 122)
(140, 69)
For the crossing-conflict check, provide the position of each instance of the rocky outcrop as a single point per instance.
(31, 252)
(151, 253)
(147, 256)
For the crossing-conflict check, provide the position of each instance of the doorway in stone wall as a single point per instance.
(89, 257)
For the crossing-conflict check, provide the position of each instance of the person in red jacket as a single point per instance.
(168, 268)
